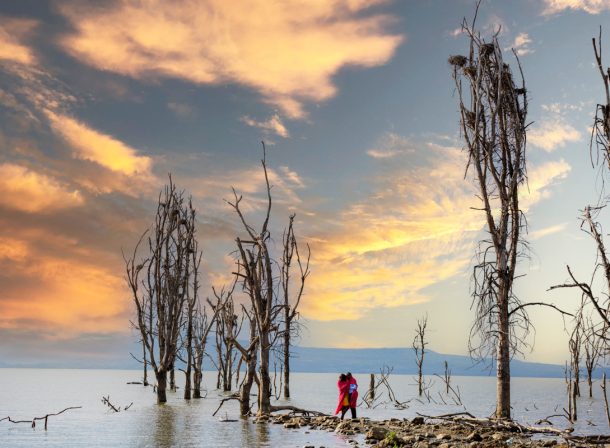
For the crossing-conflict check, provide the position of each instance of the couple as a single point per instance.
(348, 394)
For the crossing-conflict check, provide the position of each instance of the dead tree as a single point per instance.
(600, 131)
(228, 327)
(249, 356)
(493, 110)
(291, 302)
(593, 350)
(256, 270)
(574, 345)
(202, 325)
(419, 346)
(191, 304)
(159, 281)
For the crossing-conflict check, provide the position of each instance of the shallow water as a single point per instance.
(25, 393)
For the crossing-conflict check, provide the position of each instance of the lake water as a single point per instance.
(25, 393)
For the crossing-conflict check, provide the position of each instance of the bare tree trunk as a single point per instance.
(161, 377)
(264, 399)
(503, 367)
(172, 380)
(145, 380)
(287, 364)
(605, 399)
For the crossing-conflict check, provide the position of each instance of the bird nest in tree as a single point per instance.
(458, 60)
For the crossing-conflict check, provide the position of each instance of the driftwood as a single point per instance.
(106, 401)
(498, 424)
(590, 440)
(223, 401)
(295, 410)
(45, 417)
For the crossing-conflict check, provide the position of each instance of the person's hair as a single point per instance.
(342, 377)
(348, 375)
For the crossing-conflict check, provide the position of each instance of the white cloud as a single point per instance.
(550, 230)
(521, 44)
(590, 6)
(551, 134)
(273, 124)
(391, 145)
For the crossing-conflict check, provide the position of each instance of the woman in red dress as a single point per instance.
(344, 398)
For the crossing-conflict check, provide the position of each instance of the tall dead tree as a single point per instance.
(574, 345)
(249, 357)
(493, 110)
(419, 347)
(291, 301)
(592, 345)
(191, 303)
(160, 279)
(256, 271)
(202, 325)
(228, 327)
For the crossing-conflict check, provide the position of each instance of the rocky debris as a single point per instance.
(376, 433)
(474, 437)
(416, 433)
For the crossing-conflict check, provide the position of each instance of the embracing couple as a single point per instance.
(348, 394)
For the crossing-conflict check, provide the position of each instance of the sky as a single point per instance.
(354, 99)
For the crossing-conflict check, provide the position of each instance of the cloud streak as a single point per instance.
(107, 151)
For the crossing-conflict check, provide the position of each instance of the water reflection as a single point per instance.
(165, 426)
(254, 434)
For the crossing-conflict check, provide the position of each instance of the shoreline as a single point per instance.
(435, 432)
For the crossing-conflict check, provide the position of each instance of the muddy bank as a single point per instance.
(422, 433)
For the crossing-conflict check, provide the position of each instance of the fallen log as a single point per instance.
(45, 417)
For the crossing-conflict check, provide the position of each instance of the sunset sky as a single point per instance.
(354, 98)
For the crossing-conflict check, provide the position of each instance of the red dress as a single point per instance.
(343, 392)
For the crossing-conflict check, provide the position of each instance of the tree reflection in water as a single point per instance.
(165, 426)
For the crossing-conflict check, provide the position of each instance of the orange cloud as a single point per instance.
(89, 144)
(61, 293)
(416, 230)
(288, 51)
(29, 191)
(12, 32)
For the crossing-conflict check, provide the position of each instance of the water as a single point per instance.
(25, 393)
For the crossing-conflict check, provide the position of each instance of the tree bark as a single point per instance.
(287, 360)
(503, 367)
(161, 386)
(265, 379)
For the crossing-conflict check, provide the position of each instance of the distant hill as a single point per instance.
(370, 360)
(313, 359)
